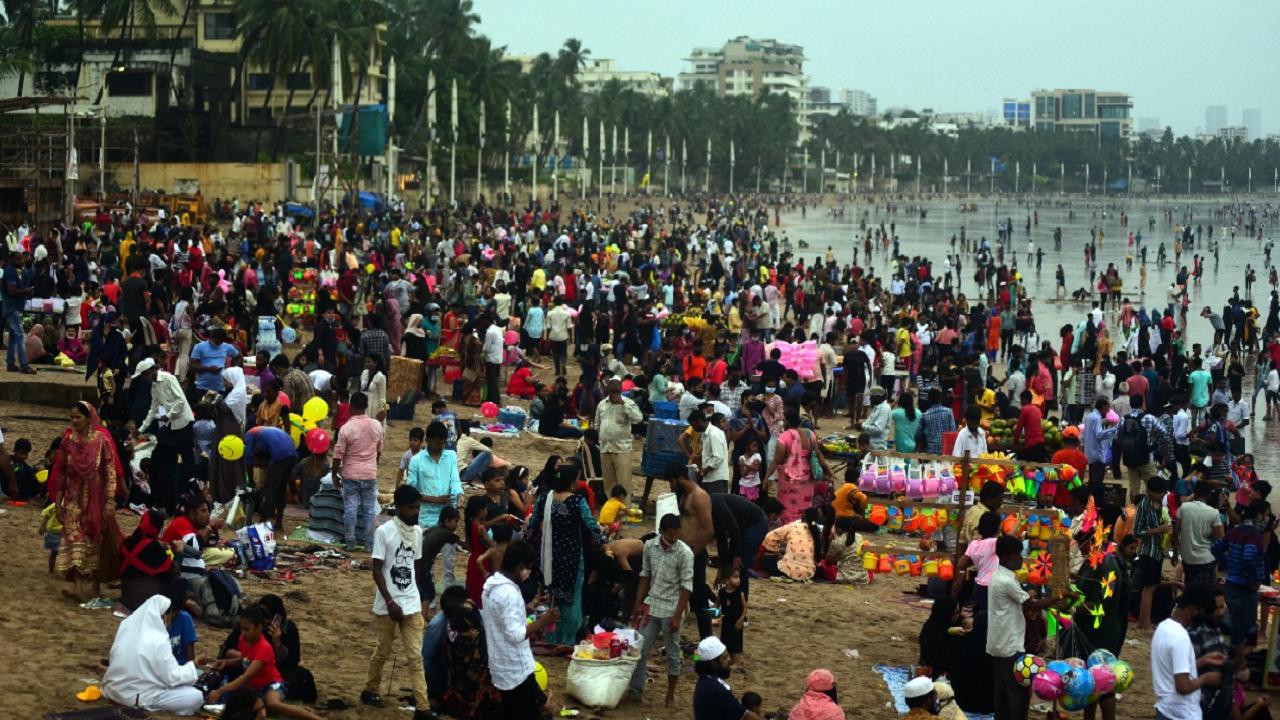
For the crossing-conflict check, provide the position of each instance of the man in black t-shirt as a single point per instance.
(771, 370)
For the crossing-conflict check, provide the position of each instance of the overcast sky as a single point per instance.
(1174, 56)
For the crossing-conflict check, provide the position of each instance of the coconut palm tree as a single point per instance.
(16, 41)
(444, 37)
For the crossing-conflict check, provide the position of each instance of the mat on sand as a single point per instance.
(896, 679)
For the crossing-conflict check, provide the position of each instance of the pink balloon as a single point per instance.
(1047, 685)
(489, 410)
(1112, 417)
(628, 386)
(1104, 679)
(282, 398)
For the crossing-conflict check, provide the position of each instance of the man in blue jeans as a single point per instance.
(16, 292)
(355, 470)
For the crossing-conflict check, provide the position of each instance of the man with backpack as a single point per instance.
(1139, 435)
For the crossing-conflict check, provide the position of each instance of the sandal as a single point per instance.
(371, 699)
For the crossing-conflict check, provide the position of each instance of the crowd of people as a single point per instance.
(209, 347)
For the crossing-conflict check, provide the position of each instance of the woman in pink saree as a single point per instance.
(795, 481)
(84, 481)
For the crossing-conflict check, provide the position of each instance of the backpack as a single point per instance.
(220, 595)
(1132, 441)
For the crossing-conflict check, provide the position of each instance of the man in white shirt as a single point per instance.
(1007, 625)
(397, 560)
(614, 417)
(170, 420)
(507, 634)
(559, 332)
(715, 455)
(971, 438)
(1175, 668)
(493, 360)
(1014, 385)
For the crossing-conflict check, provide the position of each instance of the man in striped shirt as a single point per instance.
(1149, 527)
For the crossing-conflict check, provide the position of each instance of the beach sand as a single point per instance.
(55, 646)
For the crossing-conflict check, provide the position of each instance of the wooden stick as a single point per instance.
(964, 495)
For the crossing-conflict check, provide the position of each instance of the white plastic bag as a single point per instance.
(600, 683)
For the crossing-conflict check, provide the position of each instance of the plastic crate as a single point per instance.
(662, 434)
(655, 463)
(664, 410)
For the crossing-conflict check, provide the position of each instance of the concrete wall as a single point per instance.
(247, 181)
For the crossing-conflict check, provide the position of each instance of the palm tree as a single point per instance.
(123, 17)
(447, 29)
(20, 19)
(572, 59)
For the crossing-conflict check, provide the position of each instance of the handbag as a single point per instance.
(815, 463)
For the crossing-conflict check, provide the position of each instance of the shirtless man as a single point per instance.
(697, 531)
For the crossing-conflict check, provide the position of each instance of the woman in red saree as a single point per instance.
(84, 481)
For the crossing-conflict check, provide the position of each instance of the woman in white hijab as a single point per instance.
(143, 672)
(238, 397)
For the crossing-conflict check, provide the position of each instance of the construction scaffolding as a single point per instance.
(34, 187)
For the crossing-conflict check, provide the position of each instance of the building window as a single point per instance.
(1090, 103)
(1113, 111)
(1071, 106)
(298, 81)
(1109, 130)
(260, 81)
(219, 26)
(135, 83)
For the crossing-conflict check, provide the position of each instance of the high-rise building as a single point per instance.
(1233, 133)
(601, 71)
(1251, 118)
(749, 67)
(1105, 114)
(1016, 113)
(1215, 118)
(859, 102)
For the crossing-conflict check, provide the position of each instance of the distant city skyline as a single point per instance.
(965, 58)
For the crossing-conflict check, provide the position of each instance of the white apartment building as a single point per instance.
(601, 71)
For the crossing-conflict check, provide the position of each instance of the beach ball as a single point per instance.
(1026, 667)
(540, 675)
(1078, 683)
(1070, 703)
(42, 477)
(315, 409)
(1104, 679)
(1100, 657)
(1124, 675)
(489, 410)
(1075, 662)
(318, 441)
(231, 448)
(370, 268)
(289, 335)
(1047, 685)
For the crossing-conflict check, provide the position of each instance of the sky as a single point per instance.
(1175, 57)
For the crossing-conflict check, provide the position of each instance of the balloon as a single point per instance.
(42, 477)
(295, 428)
(1104, 679)
(318, 441)
(1124, 675)
(628, 386)
(1047, 685)
(316, 409)
(1026, 667)
(1100, 657)
(1078, 683)
(489, 410)
(370, 268)
(540, 675)
(231, 448)
(289, 335)
(282, 398)
(1112, 417)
